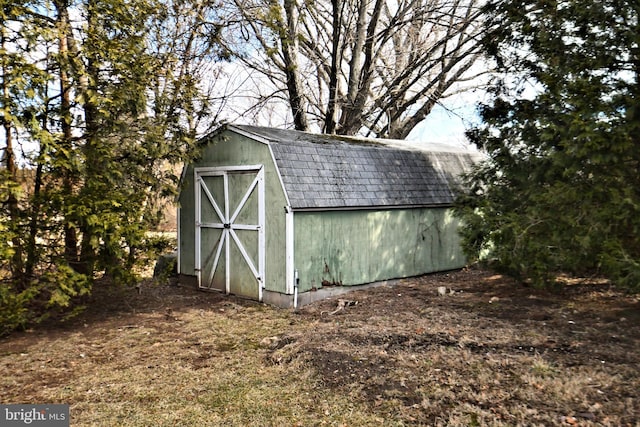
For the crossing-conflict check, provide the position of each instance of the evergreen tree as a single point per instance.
(560, 190)
(100, 115)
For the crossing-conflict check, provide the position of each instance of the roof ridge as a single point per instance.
(271, 134)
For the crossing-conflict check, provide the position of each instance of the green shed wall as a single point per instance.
(363, 246)
(232, 149)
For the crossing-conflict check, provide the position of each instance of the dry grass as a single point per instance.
(491, 354)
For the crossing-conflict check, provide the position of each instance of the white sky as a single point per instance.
(447, 125)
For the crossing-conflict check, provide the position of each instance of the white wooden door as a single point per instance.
(230, 234)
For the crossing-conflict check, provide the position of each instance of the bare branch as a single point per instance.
(360, 63)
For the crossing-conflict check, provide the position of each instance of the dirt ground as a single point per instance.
(488, 351)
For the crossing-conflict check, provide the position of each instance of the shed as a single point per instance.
(286, 217)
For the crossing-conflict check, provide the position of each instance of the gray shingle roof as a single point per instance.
(332, 171)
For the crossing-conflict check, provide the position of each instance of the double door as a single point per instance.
(230, 234)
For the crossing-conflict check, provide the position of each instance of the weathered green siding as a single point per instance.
(363, 246)
(330, 247)
(231, 149)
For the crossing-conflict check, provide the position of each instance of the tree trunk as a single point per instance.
(336, 57)
(11, 168)
(292, 70)
(91, 156)
(33, 225)
(351, 119)
(64, 33)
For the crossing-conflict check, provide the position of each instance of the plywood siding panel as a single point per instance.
(354, 247)
(231, 149)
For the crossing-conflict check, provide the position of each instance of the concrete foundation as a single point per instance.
(280, 300)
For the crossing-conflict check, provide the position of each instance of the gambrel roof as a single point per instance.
(333, 171)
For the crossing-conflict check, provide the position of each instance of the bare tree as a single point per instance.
(360, 66)
(186, 38)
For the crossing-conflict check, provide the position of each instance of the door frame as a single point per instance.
(227, 225)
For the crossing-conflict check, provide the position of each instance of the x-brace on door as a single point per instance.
(230, 234)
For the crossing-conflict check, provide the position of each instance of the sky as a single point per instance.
(447, 124)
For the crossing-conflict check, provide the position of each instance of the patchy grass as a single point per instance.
(492, 353)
